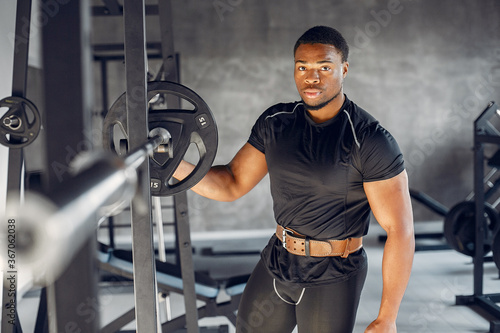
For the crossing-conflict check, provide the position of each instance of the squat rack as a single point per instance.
(484, 133)
(68, 96)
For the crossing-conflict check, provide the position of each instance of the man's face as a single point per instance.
(319, 74)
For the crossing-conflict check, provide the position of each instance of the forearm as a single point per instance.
(396, 268)
(232, 181)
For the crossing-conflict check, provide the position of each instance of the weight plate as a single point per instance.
(20, 124)
(186, 127)
(460, 227)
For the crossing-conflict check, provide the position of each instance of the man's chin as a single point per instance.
(319, 105)
(315, 107)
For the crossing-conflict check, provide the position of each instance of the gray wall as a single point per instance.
(424, 68)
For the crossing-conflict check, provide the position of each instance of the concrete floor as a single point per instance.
(429, 304)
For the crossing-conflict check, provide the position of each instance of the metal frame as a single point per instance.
(15, 165)
(145, 288)
(68, 100)
(169, 72)
(185, 260)
(487, 302)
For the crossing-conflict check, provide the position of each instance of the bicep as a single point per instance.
(248, 167)
(390, 202)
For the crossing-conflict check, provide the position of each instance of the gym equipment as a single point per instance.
(185, 126)
(460, 228)
(104, 186)
(485, 133)
(71, 208)
(169, 279)
(133, 22)
(429, 202)
(20, 125)
(10, 128)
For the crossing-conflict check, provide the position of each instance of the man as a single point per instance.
(329, 163)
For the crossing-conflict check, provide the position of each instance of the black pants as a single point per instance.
(269, 306)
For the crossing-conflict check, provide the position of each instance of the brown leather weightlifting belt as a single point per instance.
(301, 245)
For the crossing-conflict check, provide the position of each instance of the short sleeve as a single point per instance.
(258, 134)
(379, 154)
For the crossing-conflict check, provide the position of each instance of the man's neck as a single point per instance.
(329, 111)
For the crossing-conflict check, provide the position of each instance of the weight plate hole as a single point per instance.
(118, 137)
(160, 101)
(20, 140)
(192, 156)
(3, 110)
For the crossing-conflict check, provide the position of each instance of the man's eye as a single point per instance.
(301, 68)
(325, 68)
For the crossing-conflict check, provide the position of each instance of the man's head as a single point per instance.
(320, 68)
(324, 35)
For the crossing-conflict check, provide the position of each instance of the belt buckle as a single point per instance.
(283, 239)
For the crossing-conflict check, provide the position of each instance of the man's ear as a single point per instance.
(345, 67)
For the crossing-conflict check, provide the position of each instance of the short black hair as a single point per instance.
(324, 35)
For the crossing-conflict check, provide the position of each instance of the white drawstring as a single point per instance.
(277, 293)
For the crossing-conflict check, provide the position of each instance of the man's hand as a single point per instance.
(381, 326)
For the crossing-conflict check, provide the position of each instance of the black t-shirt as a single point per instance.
(317, 173)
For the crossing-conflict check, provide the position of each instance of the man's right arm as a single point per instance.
(232, 181)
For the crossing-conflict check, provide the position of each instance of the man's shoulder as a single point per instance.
(281, 109)
(359, 117)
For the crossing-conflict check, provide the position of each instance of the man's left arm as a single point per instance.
(391, 205)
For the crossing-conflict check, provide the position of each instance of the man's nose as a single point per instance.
(312, 77)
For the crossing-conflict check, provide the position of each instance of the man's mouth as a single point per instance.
(312, 93)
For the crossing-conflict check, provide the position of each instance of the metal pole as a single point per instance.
(145, 287)
(68, 99)
(158, 218)
(169, 71)
(479, 217)
(163, 298)
(184, 247)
